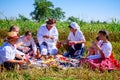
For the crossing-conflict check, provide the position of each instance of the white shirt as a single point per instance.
(27, 43)
(77, 37)
(106, 49)
(44, 31)
(7, 52)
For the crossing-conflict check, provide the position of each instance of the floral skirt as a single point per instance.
(101, 64)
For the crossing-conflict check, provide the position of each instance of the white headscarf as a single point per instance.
(74, 25)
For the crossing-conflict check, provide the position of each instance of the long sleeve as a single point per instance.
(44, 31)
(55, 34)
(106, 48)
(40, 35)
(20, 47)
(7, 52)
(69, 36)
(33, 45)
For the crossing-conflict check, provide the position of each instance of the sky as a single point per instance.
(103, 10)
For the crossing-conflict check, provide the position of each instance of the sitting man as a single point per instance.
(47, 37)
(8, 53)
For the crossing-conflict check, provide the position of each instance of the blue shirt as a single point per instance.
(7, 52)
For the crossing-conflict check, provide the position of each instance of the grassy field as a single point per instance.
(53, 73)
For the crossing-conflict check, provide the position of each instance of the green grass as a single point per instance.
(51, 74)
(90, 31)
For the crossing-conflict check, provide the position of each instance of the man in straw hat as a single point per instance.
(8, 52)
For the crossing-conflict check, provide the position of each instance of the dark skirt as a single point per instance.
(9, 65)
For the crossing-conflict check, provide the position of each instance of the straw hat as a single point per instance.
(12, 36)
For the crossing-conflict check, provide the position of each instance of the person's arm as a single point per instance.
(106, 50)
(34, 46)
(19, 44)
(17, 61)
(81, 37)
(21, 57)
(18, 56)
(64, 42)
(78, 42)
(8, 58)
(40, 35)
(51, 37)
(99, 49)
(55, 34)
(101, 52)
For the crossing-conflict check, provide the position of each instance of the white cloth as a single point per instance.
(50, 42)
(19, 52)
(7, 52)
(27, 43)
(105, 47)
(45, 50)
(77, 37)
(74, 25)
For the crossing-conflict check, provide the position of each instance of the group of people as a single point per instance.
(16, 50)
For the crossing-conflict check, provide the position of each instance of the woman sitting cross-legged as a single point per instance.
(76, 41)
(103, 58)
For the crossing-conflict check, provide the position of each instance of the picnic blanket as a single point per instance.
(59, 61)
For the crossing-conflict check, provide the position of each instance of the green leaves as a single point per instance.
(44, 9)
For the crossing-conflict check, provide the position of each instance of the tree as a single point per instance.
(58, 14)
(73, 19)
(77, 20)
(44, 9)
(22, 18)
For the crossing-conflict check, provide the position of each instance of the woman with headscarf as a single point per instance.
(76, 40)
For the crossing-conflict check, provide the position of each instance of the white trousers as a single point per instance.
(44, 50)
